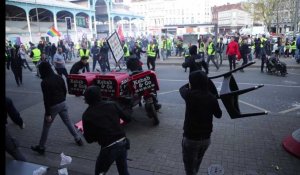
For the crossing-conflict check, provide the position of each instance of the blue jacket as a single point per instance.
(298, 42)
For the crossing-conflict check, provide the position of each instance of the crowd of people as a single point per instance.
(245, 48)
(105, 128)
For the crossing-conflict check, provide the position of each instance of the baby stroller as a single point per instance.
(276, 67)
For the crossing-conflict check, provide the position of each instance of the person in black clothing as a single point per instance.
(79, 65)
(244, 50)
(11, 145)
(133, 63)
(201, 106)
(17, 64)
(195, 61)
(104, 62)
(137, 50)
(54, 94)
(41, 46)
(8, 53)
(101, 123)
(95, 51)
(220, 50)
(257, 47)
(53, 52)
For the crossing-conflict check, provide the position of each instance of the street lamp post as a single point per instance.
(37, 17)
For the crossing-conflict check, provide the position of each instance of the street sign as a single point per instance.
(115, 46)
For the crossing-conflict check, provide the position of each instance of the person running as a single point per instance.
(101, 124)
(54, 94)
(201, 106)
(11, 144)
(16, 65)
(59, 63)
(24, 56)
(211, 51)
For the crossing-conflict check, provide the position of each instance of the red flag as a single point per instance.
(120, 33)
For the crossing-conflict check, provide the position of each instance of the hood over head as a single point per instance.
(199, 80)
(92, 95)
(45, 70)
(193, 50)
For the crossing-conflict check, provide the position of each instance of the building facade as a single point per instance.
(31, 19)
(159, 13)
(231, 17)
(283, 17)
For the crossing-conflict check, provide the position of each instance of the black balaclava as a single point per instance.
(199, 80)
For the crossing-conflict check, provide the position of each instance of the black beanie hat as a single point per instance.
(92, 94)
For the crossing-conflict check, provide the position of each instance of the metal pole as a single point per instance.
(296, 17)
(37, 17)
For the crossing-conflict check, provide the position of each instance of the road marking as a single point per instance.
(293, 73)
(162, 93)
(26, 92)
(289, 110)
(276, 85)
(256, 107)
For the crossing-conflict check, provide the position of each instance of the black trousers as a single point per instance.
(232, 60)
(18, 75)
(263, 61)
(87, 67)
(151, 60)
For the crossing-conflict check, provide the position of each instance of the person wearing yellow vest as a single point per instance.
(126, 51)
(293, 47)
(201, 47)
(169, 47)
(151, 56)
(36, 57)
(263, 52)
(84, 52)
(211, 51)
(163, 48)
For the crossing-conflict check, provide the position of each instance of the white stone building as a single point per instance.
(159, 13)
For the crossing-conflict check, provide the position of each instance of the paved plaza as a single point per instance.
(240, 146)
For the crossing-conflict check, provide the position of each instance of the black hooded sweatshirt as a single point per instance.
(101, 120)
(201, 106)
(53, 87)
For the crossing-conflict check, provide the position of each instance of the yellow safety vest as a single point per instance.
(87, 53)
(211, 50)
(36, 55)
(150, 51)
(77, 47)
(169, 43)
(127, 50)
(262, 40)
(293, 45)
(202, 48)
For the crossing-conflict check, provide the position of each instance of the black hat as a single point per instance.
(92, 94)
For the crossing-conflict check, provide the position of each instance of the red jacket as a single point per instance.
(233, 48)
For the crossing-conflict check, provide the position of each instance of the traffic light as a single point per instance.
(69, 24)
